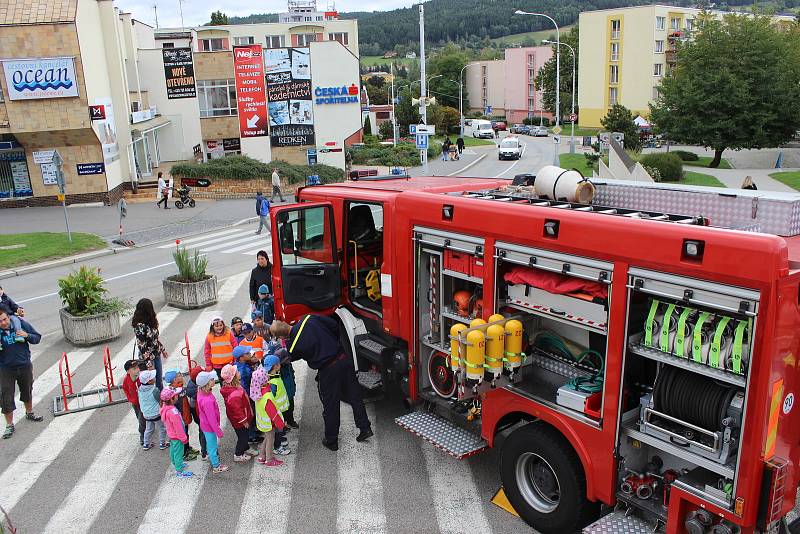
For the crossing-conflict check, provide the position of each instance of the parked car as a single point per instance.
(520, 129)
(539, 131)
(510, 148)
(499, 126)
(467, 122)
(482, 129)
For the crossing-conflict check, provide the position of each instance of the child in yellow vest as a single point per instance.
(270, 397)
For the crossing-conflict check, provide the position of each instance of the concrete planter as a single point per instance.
(190, 295)
(90, 329)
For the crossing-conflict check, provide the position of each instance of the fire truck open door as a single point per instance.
(304, 249)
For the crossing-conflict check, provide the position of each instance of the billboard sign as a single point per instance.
(30, 79)
(288, 75)
(248, 71)
(179, 73)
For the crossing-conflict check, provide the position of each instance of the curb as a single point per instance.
(10, 273)
(459, 171)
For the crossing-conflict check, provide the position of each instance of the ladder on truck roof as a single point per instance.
(509, 197)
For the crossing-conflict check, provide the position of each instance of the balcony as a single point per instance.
(671, 56)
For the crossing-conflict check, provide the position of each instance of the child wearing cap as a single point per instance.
(254, 341)
(259, 326)
(268, 412)
(130, 385)
(237, 408)
(174, 379)
(149, 397)
(220, 342)
(236, 328)
(265, 304)
(191, 396)
(173, 422)
(208, 410)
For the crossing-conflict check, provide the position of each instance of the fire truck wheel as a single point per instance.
(544, 480)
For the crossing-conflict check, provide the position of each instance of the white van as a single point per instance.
(482, 129)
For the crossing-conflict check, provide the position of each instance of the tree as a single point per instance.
(448, 118)
(385, 130)
(734, 86)
(546, 77)
(218, 18)
(620, 119)
(376, 80)
(446, 65)
(405, 112)
(367, 126)
(377, 95)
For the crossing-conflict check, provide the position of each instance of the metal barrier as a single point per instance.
(187, 351)
(87, 399)
(66, 378)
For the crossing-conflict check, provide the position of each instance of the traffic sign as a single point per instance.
(412, 129)
(487, 110)
(427, 129)
(557, 130)
(557, 139)
(422, 141)
(60, 197)
(573, 117)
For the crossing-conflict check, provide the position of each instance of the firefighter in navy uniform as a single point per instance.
(315, 339)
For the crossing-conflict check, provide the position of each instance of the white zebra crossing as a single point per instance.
(194, 240)
(248, 246)
(229, 241)
(250, 240)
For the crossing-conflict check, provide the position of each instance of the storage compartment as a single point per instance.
(570, 307)
(459, 262)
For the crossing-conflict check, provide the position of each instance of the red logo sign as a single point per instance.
(248, 70)
(97, 113)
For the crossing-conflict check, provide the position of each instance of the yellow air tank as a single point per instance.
(496, 317)
(454, 346)
(495, 345)
(513, 344)
(476, 353)
(477, 322)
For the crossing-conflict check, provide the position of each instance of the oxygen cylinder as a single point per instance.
(495, 317)
(477, 322)
(455, 345)
(495, 345)
(476, 354)
(513, 344)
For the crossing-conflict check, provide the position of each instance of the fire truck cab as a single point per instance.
(635, 353)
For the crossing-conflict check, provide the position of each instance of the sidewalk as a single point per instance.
(733, 177)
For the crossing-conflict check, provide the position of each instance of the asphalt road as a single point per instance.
(85, 472)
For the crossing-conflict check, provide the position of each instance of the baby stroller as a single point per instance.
(185, 199)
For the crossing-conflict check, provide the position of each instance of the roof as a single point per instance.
(420, 183)
(37, 11)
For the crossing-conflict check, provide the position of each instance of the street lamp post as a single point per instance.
(558, 75)
(572, 111)
(461, 97)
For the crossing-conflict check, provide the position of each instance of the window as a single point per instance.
(612, 96)
(531, 104)
(167, 45)
(661, 22)
(212, 45)
(303, 39)
(675, 24)
(531, 75)
(306, 237)
(689, 24)
(217, 97)
(319, 17)
(613, 75)
(135, 106)
(308, 19)
(659, 47)
(655, 93)
(658, 69)
(340, 37)
(615, 27)
(275, 41)
(245, 40)
(614, 51)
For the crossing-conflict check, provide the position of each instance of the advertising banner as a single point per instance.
(179, 73)
(106, 129)
(288, 75)
(90, 168)
(251, 97)
(29, 79)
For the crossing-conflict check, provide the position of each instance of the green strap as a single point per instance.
(488, 359)
(738, 341)
(697, 346)
(713, 355)
(680, 335)
(648, 325)
(665, 329)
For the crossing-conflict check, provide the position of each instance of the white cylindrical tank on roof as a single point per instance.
(556, 183)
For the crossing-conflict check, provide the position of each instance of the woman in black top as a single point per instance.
(145, 327)
(261, 274)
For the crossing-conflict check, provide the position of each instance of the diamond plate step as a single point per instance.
(370, 379)
(619, 522)
(442, 433)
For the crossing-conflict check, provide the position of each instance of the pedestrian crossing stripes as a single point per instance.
(237, 240)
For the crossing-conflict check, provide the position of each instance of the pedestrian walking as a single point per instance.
(260, 275)
(749, 184)
(315, 339)
(149, 397)
(446, 148)
(218, 350)
(176, 432)
(145, 327)
(16, 369)
(276, 185)
(208, 410)
(238, 410)
(460, 145)
(262, 210)
(163, 191)
(130, 385)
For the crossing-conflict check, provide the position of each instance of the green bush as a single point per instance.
(191, 267)
(535, 121)
(82, 293)
(685, 155)
(654, 173)
(402, 155)
(669, 165)
(245, 168)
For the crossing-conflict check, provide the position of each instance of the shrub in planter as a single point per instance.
(685, 155)
(192, 287)
(88, 316)
(669, 165)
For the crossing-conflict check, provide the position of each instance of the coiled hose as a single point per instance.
(692, 398)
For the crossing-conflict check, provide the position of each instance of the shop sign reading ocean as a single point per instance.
(28, 79)
(336, 95)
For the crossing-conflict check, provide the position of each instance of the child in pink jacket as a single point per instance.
(175, 430)
(208, 410)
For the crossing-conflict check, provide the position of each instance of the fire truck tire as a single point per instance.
(544, 480)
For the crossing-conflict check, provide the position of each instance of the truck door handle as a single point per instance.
(318, 272)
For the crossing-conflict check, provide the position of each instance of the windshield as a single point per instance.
(509, 143)
(485, 126)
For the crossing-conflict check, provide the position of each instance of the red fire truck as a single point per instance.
(633, 355)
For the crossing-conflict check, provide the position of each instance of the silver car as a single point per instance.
(539, 131)
(510, 148)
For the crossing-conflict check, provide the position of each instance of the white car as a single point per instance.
(510, 148)
(482, 129)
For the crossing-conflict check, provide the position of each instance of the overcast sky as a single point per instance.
(196, 12)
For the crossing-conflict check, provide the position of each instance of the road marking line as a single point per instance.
(360, 495)
(508, 169)
(252, 239)
(267, 244)
(46, 382)
(253, 252)
(254, 516)
(26, 469)
(456, 498)
(201, 237)
(89, 496)
(459, 171)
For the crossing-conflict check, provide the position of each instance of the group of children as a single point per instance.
(257, 385)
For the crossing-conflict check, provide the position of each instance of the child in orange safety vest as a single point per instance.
(218, 349)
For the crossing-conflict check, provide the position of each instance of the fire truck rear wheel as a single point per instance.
(544, 480)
